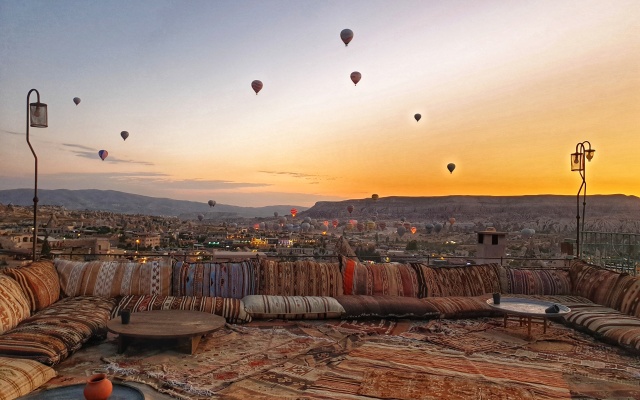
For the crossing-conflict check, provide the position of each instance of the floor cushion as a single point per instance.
(225, 279)
(359, 306)
(292, 307)
(233, 310)
(19, 377)
(14, 306)
(39, 282)
(56, 332)
(462, 306)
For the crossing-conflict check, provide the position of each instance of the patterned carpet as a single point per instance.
(447, 359)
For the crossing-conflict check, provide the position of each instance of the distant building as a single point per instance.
(491, 246)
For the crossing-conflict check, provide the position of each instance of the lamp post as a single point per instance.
(37, 118)
(583, 151)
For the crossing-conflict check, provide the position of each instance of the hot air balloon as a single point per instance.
(452, 221)
(382, 225)
(211, 203)
(346, 35)
(326, 224)
(417, 117)
(334, 223)
(350, 209)
(429, 227)
(527, 233)
(77, 100)
(305, 226)
(413, 230)
(355, 77)
(401, 230)
(103, 154)
(451, 167)
(360, 226)
(257, 86)
(124, 135)
(375, 197)
(437, 227)
(200, 217)
(294, 212)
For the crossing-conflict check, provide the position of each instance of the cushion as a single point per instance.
(292, 307)
(539, 281)
(233, 310)
(468, 280)
(299, 278)
(14, 306)
(53, 334)
(598, 284)
(462, 307)
(39, 281)
(229, 279)
(359, 306)
(20, 377)
(114, 278)
(389, 279)
(606, 324)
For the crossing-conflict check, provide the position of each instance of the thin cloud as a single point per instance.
(12, 132)
(78, 146)
(94, 155)
(310, 177)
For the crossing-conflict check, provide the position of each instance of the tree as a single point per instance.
(412, 245)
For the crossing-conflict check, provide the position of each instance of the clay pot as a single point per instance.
(98, 387)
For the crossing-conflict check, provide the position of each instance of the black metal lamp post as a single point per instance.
(37, 118)
(578, 164)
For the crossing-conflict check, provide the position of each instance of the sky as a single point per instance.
(506, 91)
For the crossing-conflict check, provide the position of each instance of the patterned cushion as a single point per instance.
(358, 306)
(56, 332)
(599, 285)
(538, 281)
(607, 325)
(300, 278)
(14, 306)
(629, 296)
(114, 278)
(39, 282)
(462, 307)
(379, 279)
(469, 280)
(20, 377)
(230, 279)
(232, 310)
(292, 307)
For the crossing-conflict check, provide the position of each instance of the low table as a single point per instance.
(528, 311)
(185, 326)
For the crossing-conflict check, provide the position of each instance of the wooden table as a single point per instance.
(528, 311)
(185, 326)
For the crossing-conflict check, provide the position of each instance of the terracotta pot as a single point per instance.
(98, 387)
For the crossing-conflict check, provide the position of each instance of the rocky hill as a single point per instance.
(550, 213)
(127, 203)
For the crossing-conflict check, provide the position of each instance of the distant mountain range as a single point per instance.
(544, 213)
(127, 203)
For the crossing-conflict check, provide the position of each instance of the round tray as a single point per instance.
(75, 392)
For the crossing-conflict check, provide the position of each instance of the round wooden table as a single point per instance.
(528, 311)
(185, 326)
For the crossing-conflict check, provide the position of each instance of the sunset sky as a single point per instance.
(506, 90)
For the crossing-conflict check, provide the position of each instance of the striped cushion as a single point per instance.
(607, 325)
(469, 280)
(292, 307)
(539, 281)
(232, 310)
(598, 285)
(20, 377)
(358, 306)
(629, 296)
(39, 282)
(114, 278)
(56, 332)
(300, 278)
(229, 279)
(461, 307)
(14, 306)
(379, 279)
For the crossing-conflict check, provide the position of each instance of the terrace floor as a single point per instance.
(378, 359)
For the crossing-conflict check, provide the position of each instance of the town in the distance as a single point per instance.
(385, 230)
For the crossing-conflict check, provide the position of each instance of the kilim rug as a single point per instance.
(222, 358)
